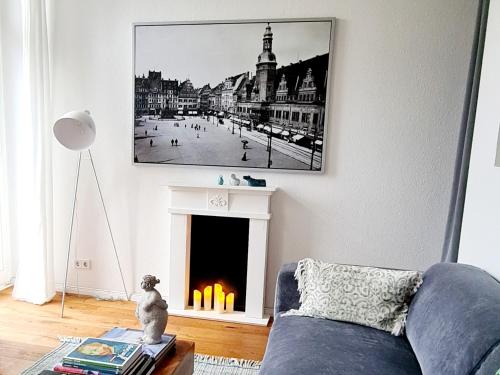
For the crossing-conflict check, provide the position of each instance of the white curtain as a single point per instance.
(27, 143)
(5, 261)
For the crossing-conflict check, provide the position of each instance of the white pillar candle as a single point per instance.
(220, 302)
(230, 302)
(196, 300)
(217, 290)
(207, 301)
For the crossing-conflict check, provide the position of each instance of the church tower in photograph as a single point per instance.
(266, 68)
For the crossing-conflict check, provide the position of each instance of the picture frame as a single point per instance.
(202, 100)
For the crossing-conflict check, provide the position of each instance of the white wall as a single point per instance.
(480, 238)
(398, 85)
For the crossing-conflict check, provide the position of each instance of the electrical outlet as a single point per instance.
(82, 264)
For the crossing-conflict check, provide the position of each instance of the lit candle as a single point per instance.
(230, 303)
(207, 293)
(217, 290)
(220, 302)
(196, 300)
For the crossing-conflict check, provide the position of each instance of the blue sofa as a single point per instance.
(453, 328)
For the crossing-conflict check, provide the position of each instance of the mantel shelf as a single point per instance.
(252, 189)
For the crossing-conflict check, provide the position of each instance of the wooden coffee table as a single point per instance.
(179, 362)
(15, 357)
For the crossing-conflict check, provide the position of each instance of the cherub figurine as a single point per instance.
(151, 311)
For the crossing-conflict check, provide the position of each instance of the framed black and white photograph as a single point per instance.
(239, 94)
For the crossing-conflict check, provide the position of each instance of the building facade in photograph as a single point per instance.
(155, 95)
(215, 98)
(204, 98)
(188, 98)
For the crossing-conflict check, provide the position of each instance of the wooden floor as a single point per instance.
(22, 322)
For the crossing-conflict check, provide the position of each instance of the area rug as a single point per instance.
(213, 365)
(203, 364)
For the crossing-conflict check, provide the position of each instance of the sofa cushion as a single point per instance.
(374, 297)
(453, 322)
(303, 345)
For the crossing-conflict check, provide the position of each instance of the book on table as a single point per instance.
(133, 336)
(103, 355)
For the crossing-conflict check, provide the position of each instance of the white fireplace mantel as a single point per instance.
(221, 200)
(253, 203)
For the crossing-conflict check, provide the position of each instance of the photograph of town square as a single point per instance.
(243, 95)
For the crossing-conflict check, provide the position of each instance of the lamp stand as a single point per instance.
(71, 228)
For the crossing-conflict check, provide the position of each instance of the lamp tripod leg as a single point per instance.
(109, 226)
(71, 233)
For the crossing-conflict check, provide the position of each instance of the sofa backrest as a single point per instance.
(453, 323)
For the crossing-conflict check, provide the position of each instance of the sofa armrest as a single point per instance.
(287, 294)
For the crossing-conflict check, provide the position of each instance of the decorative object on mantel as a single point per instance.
(76, 131)
(234, 181)
(254, 181)
(278, 115)
(220, 180)
(152, 311)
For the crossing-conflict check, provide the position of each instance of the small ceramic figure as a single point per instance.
(255, 181)
(151, 311)
(235, 181)
(220, 181)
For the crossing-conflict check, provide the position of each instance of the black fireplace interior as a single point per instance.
(219, 254)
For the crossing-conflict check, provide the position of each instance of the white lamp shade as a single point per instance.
(75, 130)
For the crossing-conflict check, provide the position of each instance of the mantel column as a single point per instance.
(256, 268)
(180, 251)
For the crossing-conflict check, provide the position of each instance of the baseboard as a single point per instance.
(5, 286)
(105, 294)
(269, 311)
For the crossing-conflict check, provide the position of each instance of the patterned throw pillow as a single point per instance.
(369, 296)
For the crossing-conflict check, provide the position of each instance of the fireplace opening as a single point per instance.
(219, 254)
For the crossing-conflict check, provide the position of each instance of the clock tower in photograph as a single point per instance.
(266, 68)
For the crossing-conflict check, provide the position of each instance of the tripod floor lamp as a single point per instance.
(76, 131)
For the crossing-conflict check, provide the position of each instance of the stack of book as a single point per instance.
(152, 355)
(103, 356)
(119, 351)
